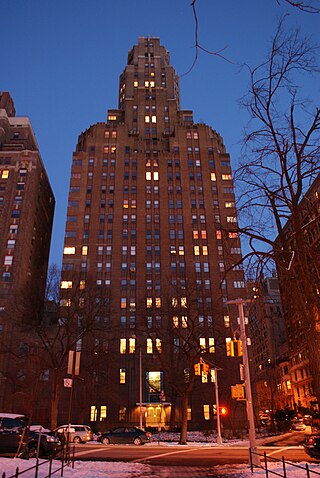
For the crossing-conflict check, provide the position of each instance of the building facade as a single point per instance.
(150, 257)
(26, 218)
(270, 353)
(303, 325)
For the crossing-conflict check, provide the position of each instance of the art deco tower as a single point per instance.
(151, 232)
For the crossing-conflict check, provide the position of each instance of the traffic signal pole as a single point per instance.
(249, 403)
(216, 388)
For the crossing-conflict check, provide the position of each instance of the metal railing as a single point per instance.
(283, 474)
(67, 458)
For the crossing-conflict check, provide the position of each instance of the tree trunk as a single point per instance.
(184, 419)
(55, 395)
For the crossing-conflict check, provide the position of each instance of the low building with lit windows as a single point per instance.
(150, 254)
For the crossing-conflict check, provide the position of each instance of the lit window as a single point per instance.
(5, 174)
(112, 117)
(156, 176)
(196, 250)
(147, 119)
(226, 319)
(205, 250)
(148, 175)
(184, 321)
(213, 176)
(218, 235)
(8, 260)
(202, 343)
(11, 243)
(158, 302)
(84, 250)
(149, 302)
(122, 375)
(66, 284)
(229, 204)
(195, 234)
(135, 84)
(93, 413)
(149, 346)
(69, 250)
(159, 345)
(113, 134)
(123, 346)
(211, 345)
(153, 119)
(175, 321)
(103, 412)
(226, 177)
(106, 134)
(233, 235)
(181, 250)
(206, 412)
(183, 302)
(132, 346)
(123, 302)
(152, 84)
(82, 284)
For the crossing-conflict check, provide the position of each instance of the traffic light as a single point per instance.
(229, 347)
(205, 368)
(223, 411)
(197, 369)
(240, 353)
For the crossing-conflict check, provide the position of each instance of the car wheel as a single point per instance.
(77, 440)
(137, 441)
(106, 441)
(32, 453)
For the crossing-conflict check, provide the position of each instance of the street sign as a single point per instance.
(237, 391)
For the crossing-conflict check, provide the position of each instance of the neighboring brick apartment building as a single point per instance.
(151, 232)
(269, 346)
(300, 348)
(26, 217)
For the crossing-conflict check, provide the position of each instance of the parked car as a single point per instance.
(298, 425)
(15, 435)
(77, 433)
(312, 445)
(124, 435)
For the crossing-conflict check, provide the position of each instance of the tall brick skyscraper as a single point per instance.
(151, 232)
(26, 217)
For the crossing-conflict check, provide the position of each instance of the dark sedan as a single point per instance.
(125, 435)
(312, 445)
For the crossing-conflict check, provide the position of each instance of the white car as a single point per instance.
(77, 433)
(298, 425)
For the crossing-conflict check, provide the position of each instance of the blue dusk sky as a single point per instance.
(61, 61)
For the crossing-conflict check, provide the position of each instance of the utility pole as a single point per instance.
(249, 403)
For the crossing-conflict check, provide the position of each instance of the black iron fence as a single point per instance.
(66, 459)
(283, 471)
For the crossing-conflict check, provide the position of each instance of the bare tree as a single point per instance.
(281, 160)
(307, 6)
(186, 335)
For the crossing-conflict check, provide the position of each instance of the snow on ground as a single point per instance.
(103, 469)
